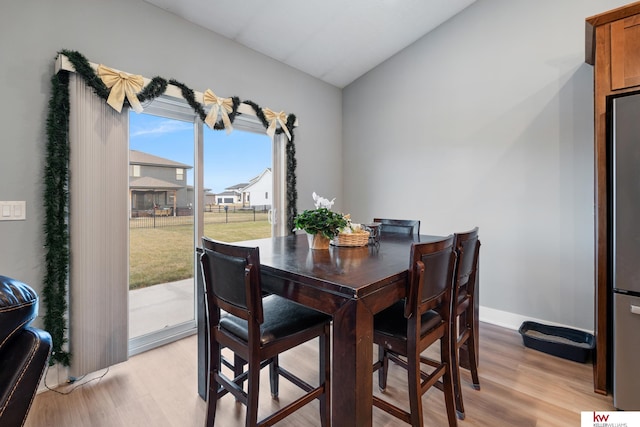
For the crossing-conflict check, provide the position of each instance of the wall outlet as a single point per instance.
(13, 211)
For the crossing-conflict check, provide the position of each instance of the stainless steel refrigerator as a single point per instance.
(625, 181)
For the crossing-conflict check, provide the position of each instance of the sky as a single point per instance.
(228, 159)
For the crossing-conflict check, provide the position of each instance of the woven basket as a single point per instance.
(359, 238)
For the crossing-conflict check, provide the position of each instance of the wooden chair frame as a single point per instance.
(406, 351)
(253, 352)
(465, 322)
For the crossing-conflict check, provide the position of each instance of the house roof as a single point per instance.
(140, 158)
(237, 186)
(244, 185)
(257, 179)
(227, 193)
(148, 183)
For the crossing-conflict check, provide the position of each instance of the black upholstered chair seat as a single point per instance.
(392, 322)
(282, 318)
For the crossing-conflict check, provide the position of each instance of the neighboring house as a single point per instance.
(228, 197)
(258, 191)
(158, 183)
(234, 192)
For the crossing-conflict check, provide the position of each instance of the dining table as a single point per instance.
(351, 284)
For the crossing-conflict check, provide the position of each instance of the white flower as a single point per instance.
(321, 202)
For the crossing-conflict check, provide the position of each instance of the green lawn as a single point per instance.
(165, 254)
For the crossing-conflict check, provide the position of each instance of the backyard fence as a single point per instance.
(212, 214)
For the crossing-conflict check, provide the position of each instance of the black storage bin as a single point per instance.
(558, 341)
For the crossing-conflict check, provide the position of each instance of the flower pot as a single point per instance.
(317, 241)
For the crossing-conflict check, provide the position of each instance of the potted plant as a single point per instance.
(321, 223)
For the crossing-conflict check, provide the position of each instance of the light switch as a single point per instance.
(13, 211)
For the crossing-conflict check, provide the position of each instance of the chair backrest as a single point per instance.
(467, 246)
(431, 275)
(399, 226)
(232, 279)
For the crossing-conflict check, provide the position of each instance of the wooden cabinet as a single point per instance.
(625, 56)
(613, 48)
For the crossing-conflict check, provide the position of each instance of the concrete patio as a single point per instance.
(160, 306)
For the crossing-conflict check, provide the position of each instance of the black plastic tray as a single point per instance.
(558, 341)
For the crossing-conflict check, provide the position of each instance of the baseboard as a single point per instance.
(513, 321)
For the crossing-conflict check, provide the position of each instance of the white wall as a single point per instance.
(491, 118)
(260, 188)
(138, 38)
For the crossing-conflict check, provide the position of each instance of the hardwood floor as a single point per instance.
(520, 387)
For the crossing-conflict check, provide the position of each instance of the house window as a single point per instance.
(179, 174)
(135, 170)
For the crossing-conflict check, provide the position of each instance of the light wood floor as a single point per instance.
(520, 387)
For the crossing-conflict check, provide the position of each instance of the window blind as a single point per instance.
(98, 230)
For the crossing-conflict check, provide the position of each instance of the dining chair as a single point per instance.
(256, 329)
(398, 226)
(407, 328)
(464, 320)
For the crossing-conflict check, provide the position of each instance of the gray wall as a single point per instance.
(138, 38)
(489, 116)
(488, 121)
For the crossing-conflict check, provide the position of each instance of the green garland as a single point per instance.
(56, 201)
(56, 174)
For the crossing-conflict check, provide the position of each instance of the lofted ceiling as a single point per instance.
(336, 41)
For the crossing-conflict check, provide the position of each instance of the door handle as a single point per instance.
(635, 309)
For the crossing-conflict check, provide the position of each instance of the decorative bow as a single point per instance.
(121, 85)
(274, 118)
(222, 105)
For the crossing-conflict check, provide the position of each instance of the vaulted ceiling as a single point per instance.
(336, 41)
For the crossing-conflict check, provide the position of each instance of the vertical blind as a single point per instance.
(98, 230)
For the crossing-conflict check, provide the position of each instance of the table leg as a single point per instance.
(352, 365)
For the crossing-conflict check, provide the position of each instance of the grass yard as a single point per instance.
(165, 254)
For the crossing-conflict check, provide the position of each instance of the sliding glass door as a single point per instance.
(188, 181)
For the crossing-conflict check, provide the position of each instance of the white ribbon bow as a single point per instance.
(222, 105)
(121, 85)
(274, 118)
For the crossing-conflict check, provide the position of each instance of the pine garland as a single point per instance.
(56, 197)
(56, 201)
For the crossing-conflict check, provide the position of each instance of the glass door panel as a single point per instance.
(238, 182)
(161, 228)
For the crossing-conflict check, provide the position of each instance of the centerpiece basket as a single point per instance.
(357, 238)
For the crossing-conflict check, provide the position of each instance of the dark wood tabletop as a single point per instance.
(351, 284)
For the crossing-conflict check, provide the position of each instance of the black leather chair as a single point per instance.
(24, 351)
(464, 328)
(407, 328)
(256, 329)
(398, 226)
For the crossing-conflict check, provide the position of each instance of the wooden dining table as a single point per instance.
(351, 284)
